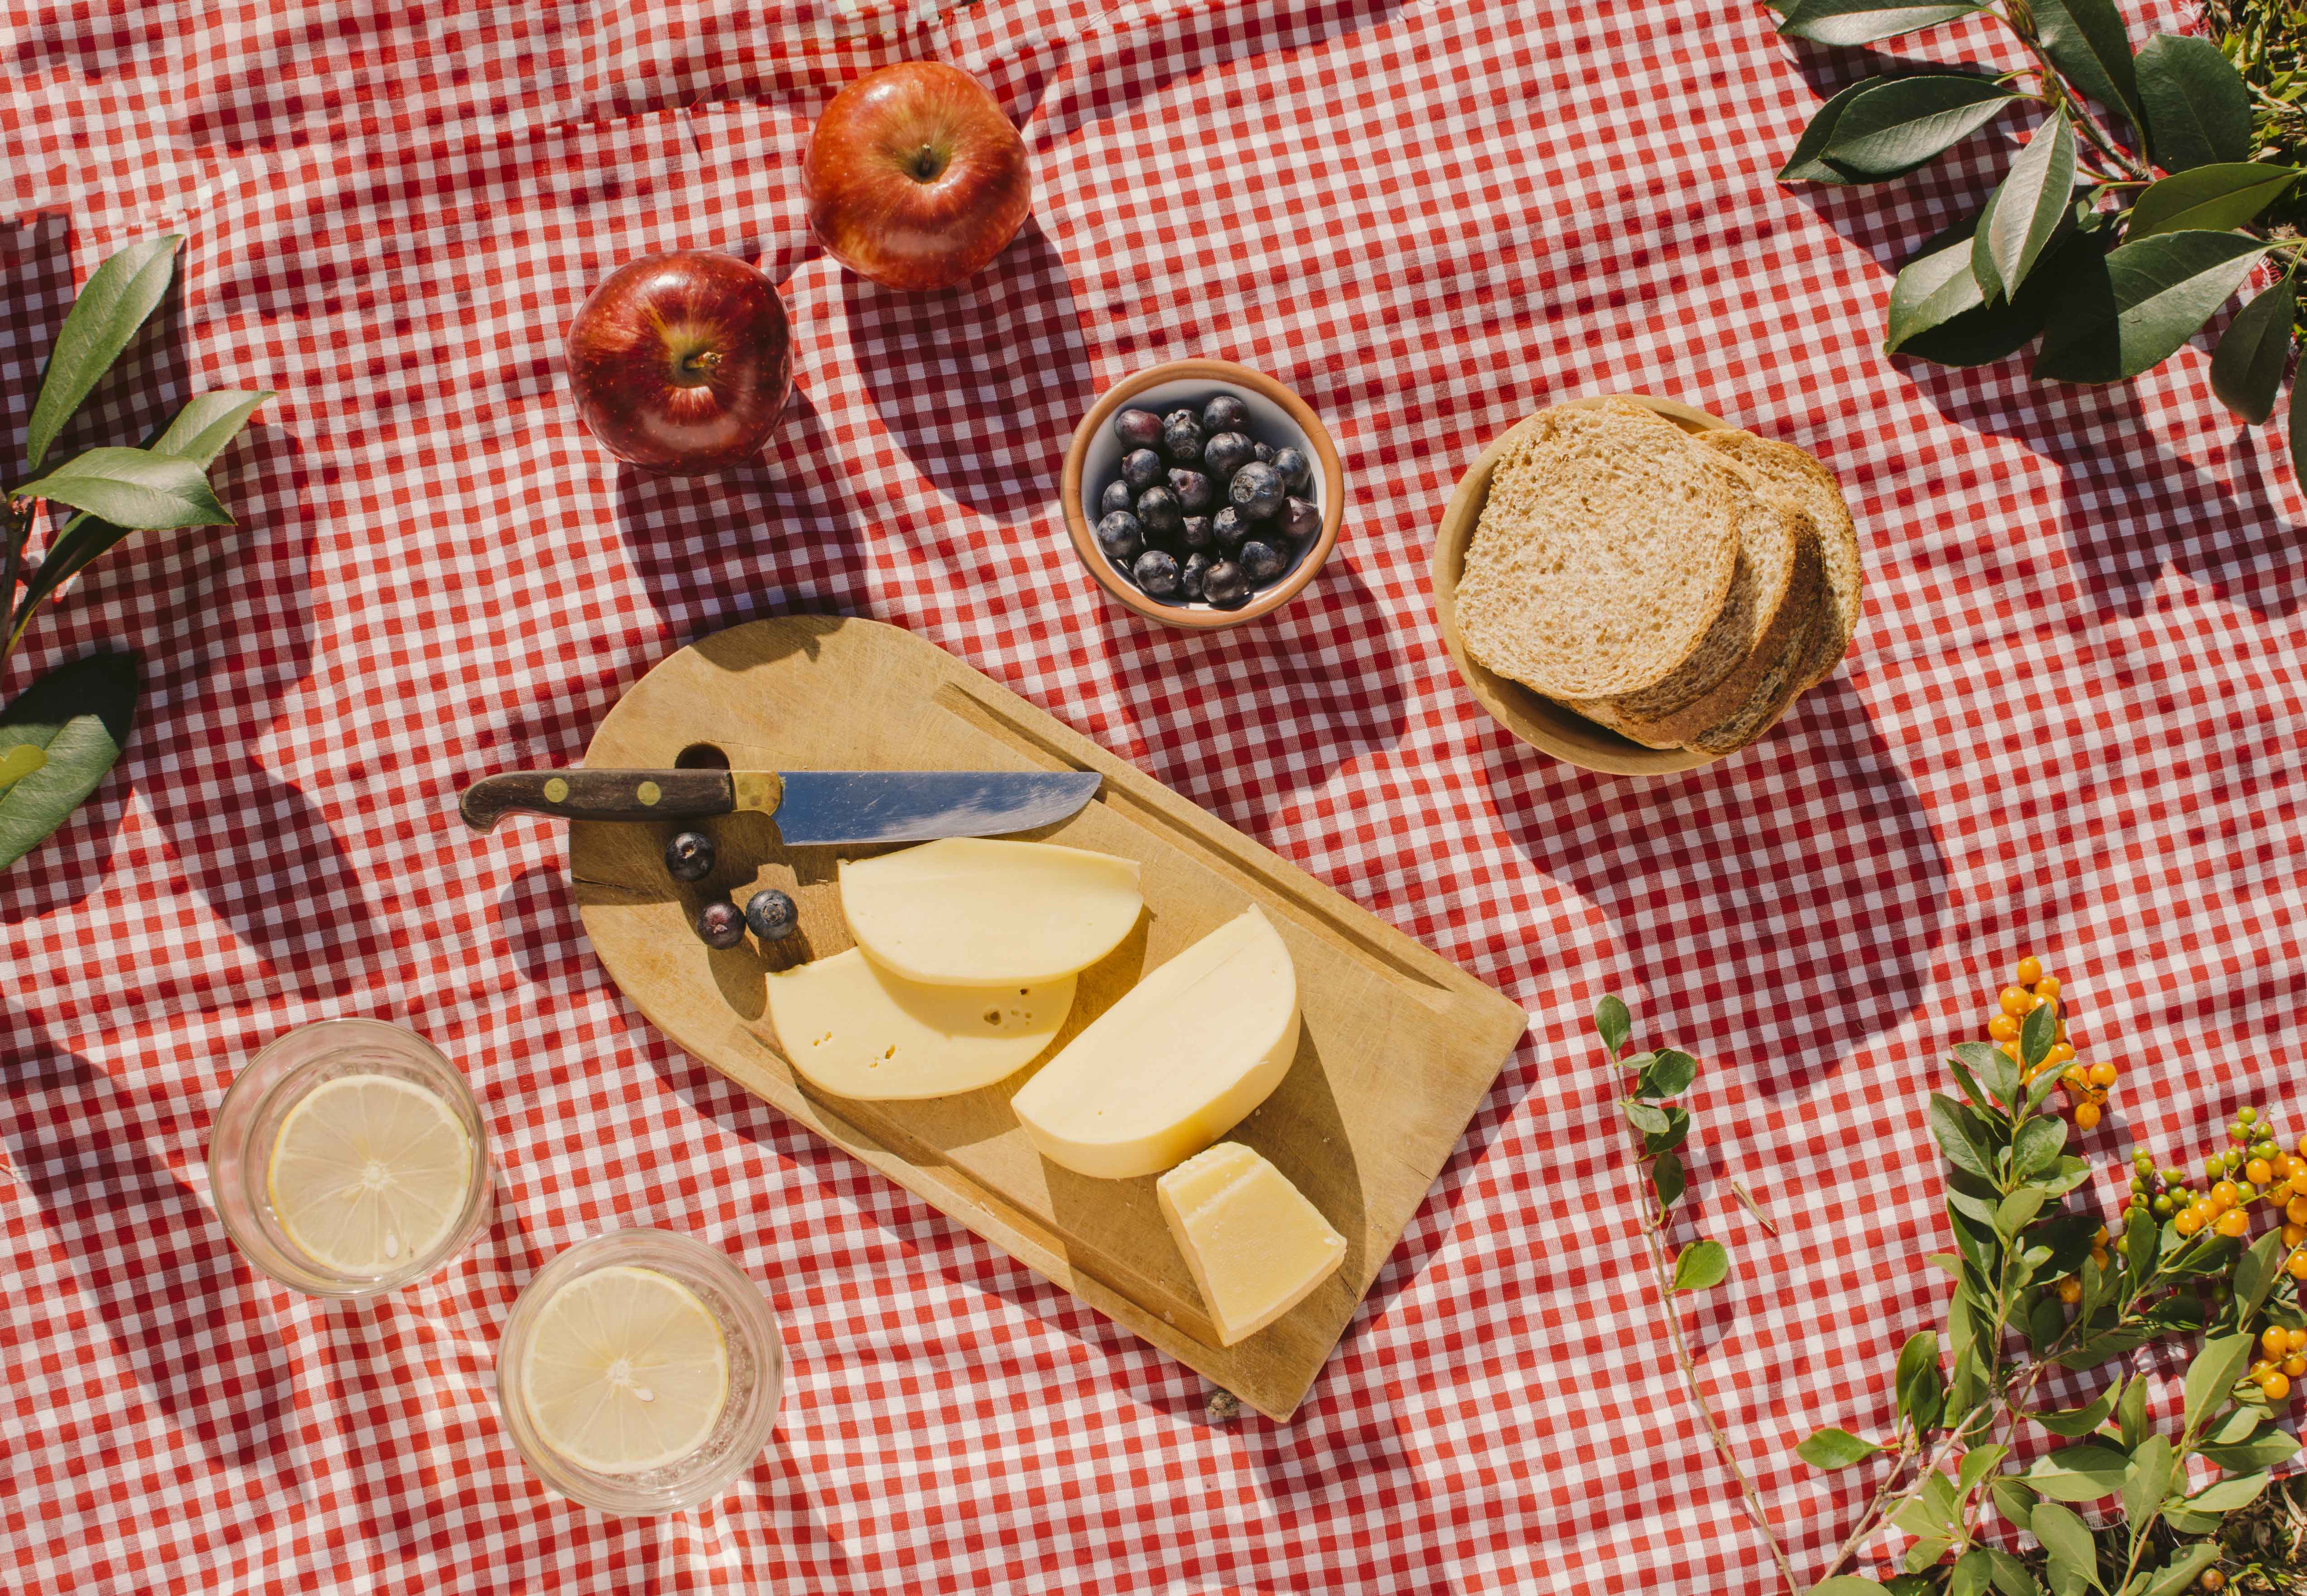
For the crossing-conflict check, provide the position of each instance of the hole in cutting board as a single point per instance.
(700, 756)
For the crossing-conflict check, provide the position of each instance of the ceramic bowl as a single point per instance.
(1277, 416)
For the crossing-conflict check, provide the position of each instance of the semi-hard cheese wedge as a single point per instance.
(856, 1029)
(1256, 1246)
(969, 911)
(1176, 1063)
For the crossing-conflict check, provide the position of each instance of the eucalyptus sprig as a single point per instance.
(1663, 1126)
(1967, 1396)
(2134, 212)
(59, 738)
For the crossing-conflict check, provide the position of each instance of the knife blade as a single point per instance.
(812, 808)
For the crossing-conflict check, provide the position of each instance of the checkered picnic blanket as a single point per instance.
(2070, 725)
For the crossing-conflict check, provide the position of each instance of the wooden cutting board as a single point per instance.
(1399, 1046)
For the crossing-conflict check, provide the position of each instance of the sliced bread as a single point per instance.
(1775, 580)
(1811, 485)
(1603, 555)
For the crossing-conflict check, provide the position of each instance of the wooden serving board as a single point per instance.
(1399, 1046)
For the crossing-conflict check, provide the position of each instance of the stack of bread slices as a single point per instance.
(1680, 588)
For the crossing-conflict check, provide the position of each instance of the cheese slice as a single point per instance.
(1176, 1063)
(1256, 1246)
(854, 1029)
(969, 911)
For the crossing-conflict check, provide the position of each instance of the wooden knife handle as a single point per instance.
(599, 795)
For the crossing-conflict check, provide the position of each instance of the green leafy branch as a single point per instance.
(2027, 1266)
(2082, 244)
(63, 734)
(1663, 1126)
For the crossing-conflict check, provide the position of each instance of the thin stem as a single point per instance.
(15, 532)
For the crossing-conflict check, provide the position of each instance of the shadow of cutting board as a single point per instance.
(1399, 1047)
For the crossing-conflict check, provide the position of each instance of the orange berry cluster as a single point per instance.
(2286, 1360)
(2085, 1084)
(2070, 1289)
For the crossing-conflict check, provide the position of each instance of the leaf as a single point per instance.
(1701, 1264)
(2147, 1481)
(2074, 1422)
(1845, 1584)
(2131, 1411)
(1977, 1464)
(131, 487)
(2263, 1450)
(2038, 1032)
(2198, 110)
(1613, 1024)
(2083, 1472)
(1993, 1067)
(1667, 1075)
(2256, 1273)
(1922, 1394)
(2067, 1540)
(1667, 1179)
(2086, 41)
(120, 297)
(1866, 22)
(2239, 1491)
(199, 433)
(2145, 299)
(2018, 1209)
(1955, 1140)
(2295, 425)
(1677, 1129)
(2181, 1571)
(2210, 199)
(2218, 1364)
(1647, 1119)
(1805, 161)
(2010, 1576)
(2032, 207)
(1831, 1448)
(1974, 1572)
(19, 763)
(2036, 1146)
(2142, 1241)
(1895, 126)
(2013, 1500)
(1946, 1262)
(78, 716)
(2247, 367)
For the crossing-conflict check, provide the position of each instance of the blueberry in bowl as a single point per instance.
(1202, 494)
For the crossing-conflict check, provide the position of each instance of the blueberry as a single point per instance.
(772, 915)
(1121, 537)
(690, 856)
(1194, 532)
(1197, 565)
(1299, 518)
(1141, 468)
(1227, 453)
(1181, 435)
(1297, 470)
(1261, 561)
(1264, 452)
(1158, 510)
(1196, 493)
(1255, 491)
(720, 924)
(1224, 414)
(1228, 527)
(1223, 584)
(1116, 497)
(1157, 572)
(1137, 429)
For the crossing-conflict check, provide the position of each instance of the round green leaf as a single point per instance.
(1612, 1024)
(1701, 1264)
(2197, 108)
(1896, 126)
(2247, 367)
(2142, 301)
(132, 487)
(120, 295)
(77, 716)
(2210, 199)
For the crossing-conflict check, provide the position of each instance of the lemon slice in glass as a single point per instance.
(627, 1371)
(369, 1173)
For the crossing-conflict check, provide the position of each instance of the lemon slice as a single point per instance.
(626, 1371)
(368, 1173)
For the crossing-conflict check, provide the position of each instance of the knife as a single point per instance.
(812, 807)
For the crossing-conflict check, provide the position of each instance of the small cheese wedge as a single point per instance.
(854, 1029)
(970, 911)
(1176, 1063)
(1256, 1246)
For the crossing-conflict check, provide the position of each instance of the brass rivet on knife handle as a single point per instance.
(599, 795)
(758, 791)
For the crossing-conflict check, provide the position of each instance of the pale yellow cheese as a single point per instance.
(856, 1029)
(971, 910)
(1176, 1063)
(1256, 1246)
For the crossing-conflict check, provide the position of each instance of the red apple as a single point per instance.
(914, 176)
(681, 362)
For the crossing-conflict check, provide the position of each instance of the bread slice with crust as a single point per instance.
(1774, 589)
(1603, 553)
(1801, 478)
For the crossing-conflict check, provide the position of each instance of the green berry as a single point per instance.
(2245, 1191)
(2249, 1116)
(2264, 1149)
(2163, 1206)
(2174, 1176)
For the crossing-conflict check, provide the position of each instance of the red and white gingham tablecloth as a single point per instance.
(2071, 726)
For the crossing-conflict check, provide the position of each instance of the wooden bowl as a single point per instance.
(1536, 719)
(1276, 416)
